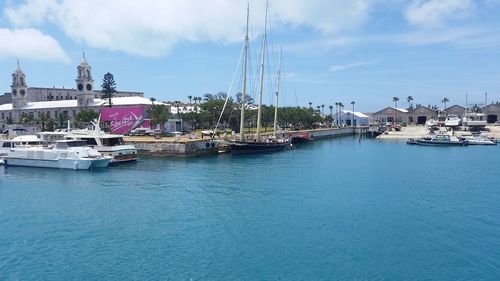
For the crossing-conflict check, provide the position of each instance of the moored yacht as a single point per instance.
(107, 144)
(440, 140)
(24, 140)
(66, 154)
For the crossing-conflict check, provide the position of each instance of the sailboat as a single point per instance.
(258, 144)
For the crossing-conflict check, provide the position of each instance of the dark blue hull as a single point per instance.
(238, 148)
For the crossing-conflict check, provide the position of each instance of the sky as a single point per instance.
(367, 51)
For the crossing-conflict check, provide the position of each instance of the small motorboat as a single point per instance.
(477, 139)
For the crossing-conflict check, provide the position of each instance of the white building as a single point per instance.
(35, 101)
(360, 119)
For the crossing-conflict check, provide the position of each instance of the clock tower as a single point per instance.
(19, 89)
(85, 84)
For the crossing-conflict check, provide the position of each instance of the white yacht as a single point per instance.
(107, 144)
(472, 119)
(477, 139)
(25, 140)
(452, 120)
(66, 154)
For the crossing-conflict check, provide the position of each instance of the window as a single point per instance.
(65, 113)
(90, 141)
(3, 115)
(74, 112)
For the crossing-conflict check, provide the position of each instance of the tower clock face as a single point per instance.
(80, 87)
(89, 87)
(14, 91)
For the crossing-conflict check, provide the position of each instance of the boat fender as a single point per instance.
(207, 145)
(75, 165)
(213, 145)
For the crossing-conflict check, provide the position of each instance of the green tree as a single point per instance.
(50, 125)
(409, 99)
(108, 88)
(157, 113)
(445, 100)
(43, 119)
(86, 116)
(395, 100)
(61, 118)
(190, 98)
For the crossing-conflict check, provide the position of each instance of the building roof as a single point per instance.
(391, 108)
(118, 101)
(357, 114)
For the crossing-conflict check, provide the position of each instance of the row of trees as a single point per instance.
(211, 108)
(409, 99)
(83, 117)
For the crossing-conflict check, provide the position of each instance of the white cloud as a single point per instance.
(30, 43)
(152, 28)
(435, 13)
(340, 67)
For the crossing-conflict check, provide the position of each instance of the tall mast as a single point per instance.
(277, 92)
(261, 81)
(244, 83)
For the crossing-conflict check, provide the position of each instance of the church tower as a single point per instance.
(19, 89)
(85, 83)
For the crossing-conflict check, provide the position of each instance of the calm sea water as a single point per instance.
(331, 210)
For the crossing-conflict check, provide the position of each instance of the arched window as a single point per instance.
(88, 74)
(79, 73)
(22, 80)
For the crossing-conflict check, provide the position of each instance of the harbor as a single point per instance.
(249, 140)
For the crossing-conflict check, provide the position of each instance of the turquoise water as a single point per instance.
(331, 210)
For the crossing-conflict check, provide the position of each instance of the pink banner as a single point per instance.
(124, 119)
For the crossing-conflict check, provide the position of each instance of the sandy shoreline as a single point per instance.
(421, 131)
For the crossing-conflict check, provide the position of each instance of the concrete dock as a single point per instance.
(193, 145)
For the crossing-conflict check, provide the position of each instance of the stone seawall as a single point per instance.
(172, 148)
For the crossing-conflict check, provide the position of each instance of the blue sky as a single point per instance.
(334, 50)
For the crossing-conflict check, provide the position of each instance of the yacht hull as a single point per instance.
(73, 164)
(439, 143)
(240, 148)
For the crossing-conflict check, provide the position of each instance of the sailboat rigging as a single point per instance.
(258, 144)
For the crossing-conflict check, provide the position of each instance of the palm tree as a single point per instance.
(331, 110)
(310, 104)
(409, 99)
(341, 107)
(152, 100)
(318, 108)
(322, 109)
(43, 119)
(190, 98)
(337, 113)
(395, 100)
(352, 116)
(445, 100)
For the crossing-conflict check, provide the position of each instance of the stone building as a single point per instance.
(35, 101)
(456, 109)
(492, 112)
(391, 114)
(421, 114)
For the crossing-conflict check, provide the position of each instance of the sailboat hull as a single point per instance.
(240, 148)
